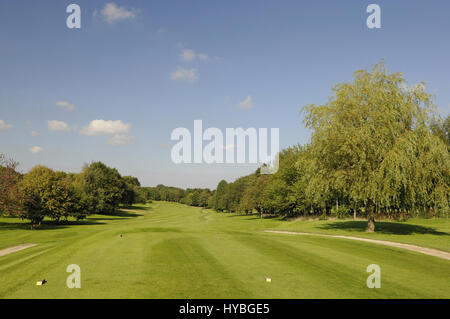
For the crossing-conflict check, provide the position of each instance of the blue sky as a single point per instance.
(122, 66)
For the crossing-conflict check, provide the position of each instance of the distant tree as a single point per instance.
(132, 193)
(196, 197)
(188, 199)
(220, 197)
(234, 193)
(204, 198)
(278, 193)
(253, 196)
(211, 199)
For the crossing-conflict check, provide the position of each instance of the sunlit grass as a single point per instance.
(169, 250)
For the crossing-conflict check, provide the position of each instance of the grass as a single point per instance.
(169, 250)
(432, 233)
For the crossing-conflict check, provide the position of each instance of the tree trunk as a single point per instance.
(371, 218)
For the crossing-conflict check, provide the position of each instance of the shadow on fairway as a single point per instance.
(382, 228)
(52, 224)
(135, 208)
(120, 213)
(48, 224)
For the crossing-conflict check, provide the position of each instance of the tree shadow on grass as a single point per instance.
(119, 213)
(48, 224)
(53, 224)
(135, 208)
(382, 228)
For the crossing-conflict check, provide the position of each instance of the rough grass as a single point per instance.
(170, 250)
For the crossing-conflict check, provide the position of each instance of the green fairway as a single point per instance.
(170, 250)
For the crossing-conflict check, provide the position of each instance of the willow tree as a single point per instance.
(370, 142)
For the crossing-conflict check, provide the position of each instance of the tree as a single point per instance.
(43, 192)
(9, 179)
(102, 188)
(132, 192)
(34, 187)
(278, 192)
(367, 144)
(441, 128)
(204, 198)
(212, 199)
(252, 197)
(220, 197)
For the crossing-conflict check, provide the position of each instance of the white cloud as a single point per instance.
(97, 127)
(188, 55)
(189, 75)
(34, 133)
(4, 126)
(247, 103)
(115, 129)
(58, 126)
(65, 105)
(111, 13)
(36, 149)
(121, 139)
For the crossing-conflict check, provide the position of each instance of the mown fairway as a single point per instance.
(174, 251)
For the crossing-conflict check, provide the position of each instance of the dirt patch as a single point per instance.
(11, 250)
(419, 249)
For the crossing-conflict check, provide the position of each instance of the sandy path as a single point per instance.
(11, 250)
(419, 249)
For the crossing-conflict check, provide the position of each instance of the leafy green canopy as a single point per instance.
(372, 144)
(102, 188)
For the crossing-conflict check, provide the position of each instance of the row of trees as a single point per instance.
(42, 192)
(377, 147)
(199, 197)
